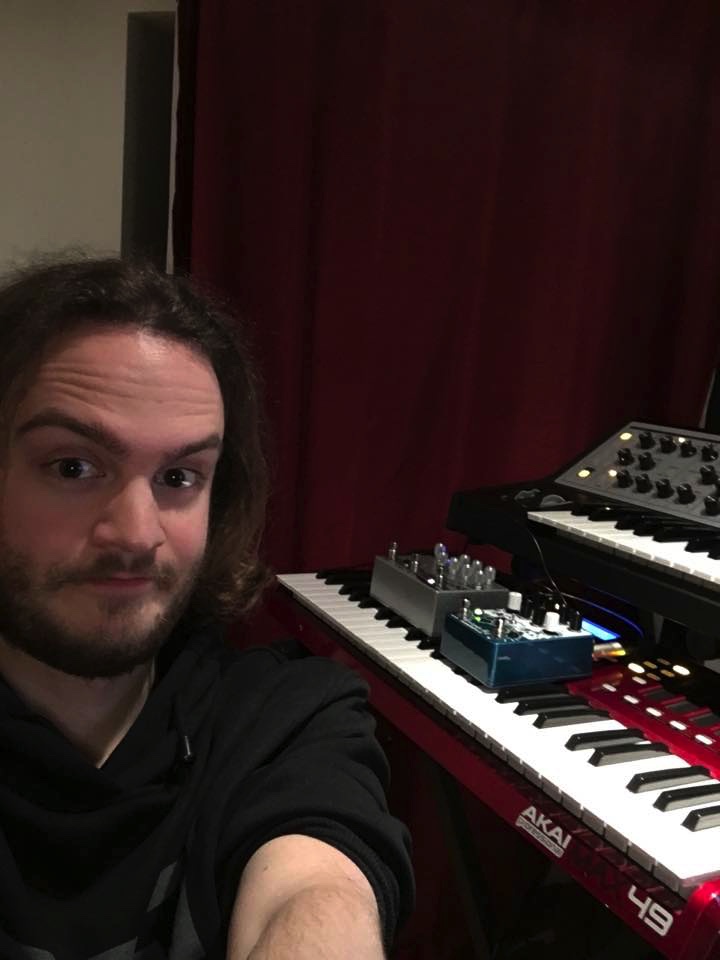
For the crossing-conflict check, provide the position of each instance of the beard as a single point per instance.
(117, 635)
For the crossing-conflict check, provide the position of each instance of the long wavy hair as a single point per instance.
(47, 299)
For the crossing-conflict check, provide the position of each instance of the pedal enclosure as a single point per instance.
(421, 604)
(531, 656)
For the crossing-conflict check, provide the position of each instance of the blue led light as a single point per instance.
(601, 633)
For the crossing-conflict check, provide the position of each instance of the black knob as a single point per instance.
(708, 474)
(645, 461)
(538, 614)
(646, 439)
(643, 483)
(685, 493)
(625, 455)
(667, 444)
(712, 506)
(709, 452)
(664, 488)
(687, 449)
(623, 478)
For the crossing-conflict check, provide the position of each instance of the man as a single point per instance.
(162, 795)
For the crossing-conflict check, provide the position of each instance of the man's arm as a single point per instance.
(301, 899)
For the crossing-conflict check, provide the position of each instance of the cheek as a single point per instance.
(32, 523)
(187, 535)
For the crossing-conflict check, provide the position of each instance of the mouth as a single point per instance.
(119, 583)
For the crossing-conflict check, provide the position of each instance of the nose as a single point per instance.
(130, 521)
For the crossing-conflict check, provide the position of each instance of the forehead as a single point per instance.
(129, 379)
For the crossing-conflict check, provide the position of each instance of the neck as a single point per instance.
(94, 714)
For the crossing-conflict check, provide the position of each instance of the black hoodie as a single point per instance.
(142, 857)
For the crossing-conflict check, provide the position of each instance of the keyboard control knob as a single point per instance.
(708, 474)
(624, 455)
(712, 506)
(624, 478)
(645, 461)
(667, 444)
(643, 483)
(709, 452)
(685, 493)
(646, 439)
(687, 449)
(514, 602)
(664, 488)
(552, 620)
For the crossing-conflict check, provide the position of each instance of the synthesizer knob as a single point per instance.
(708, 474)
(452, 569)
(624, 479)
(645, 461)
(552, 620)
(489, 576)
(624, 455)
(709, 452)
(667, 444)
(685, 493)
(440, 552)
(527, 606)
(538, 614)
(392, 551)
(476, 574)
(515, 600)
(712, 506)
(643, 483)
(575, 620)
(664, 488)
(687, 449)
(646, 439)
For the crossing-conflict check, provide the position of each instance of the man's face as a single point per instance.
(104, 499)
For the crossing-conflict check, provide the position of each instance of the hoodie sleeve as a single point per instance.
(323, 774)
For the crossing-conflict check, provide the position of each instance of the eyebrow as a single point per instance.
(100, 435)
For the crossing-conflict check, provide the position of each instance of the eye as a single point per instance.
(72, 468)
(178, 478)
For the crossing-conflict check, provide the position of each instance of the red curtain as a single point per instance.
(471, 237)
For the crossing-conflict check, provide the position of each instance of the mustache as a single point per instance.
(164, 575)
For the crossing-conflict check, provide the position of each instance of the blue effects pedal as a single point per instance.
(500, 648)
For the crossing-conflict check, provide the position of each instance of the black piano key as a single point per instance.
(586, 715)
(415, 633)
(675, 534)
(702, 819)
(659, 779)
(631, 521)
(687, 797)
(396, 622)
(703, 544)
(368, 602)
(552, 705)
(624, 753)
(514, 694)
(358, 594)
(384, 613)
(343, 576)
(714, 554)
(651, 525)
(610, 512)
(589, 741)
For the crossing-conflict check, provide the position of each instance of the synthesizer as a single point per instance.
(615, 776)
(637, 516)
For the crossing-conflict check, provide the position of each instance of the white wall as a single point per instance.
(62, 107)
